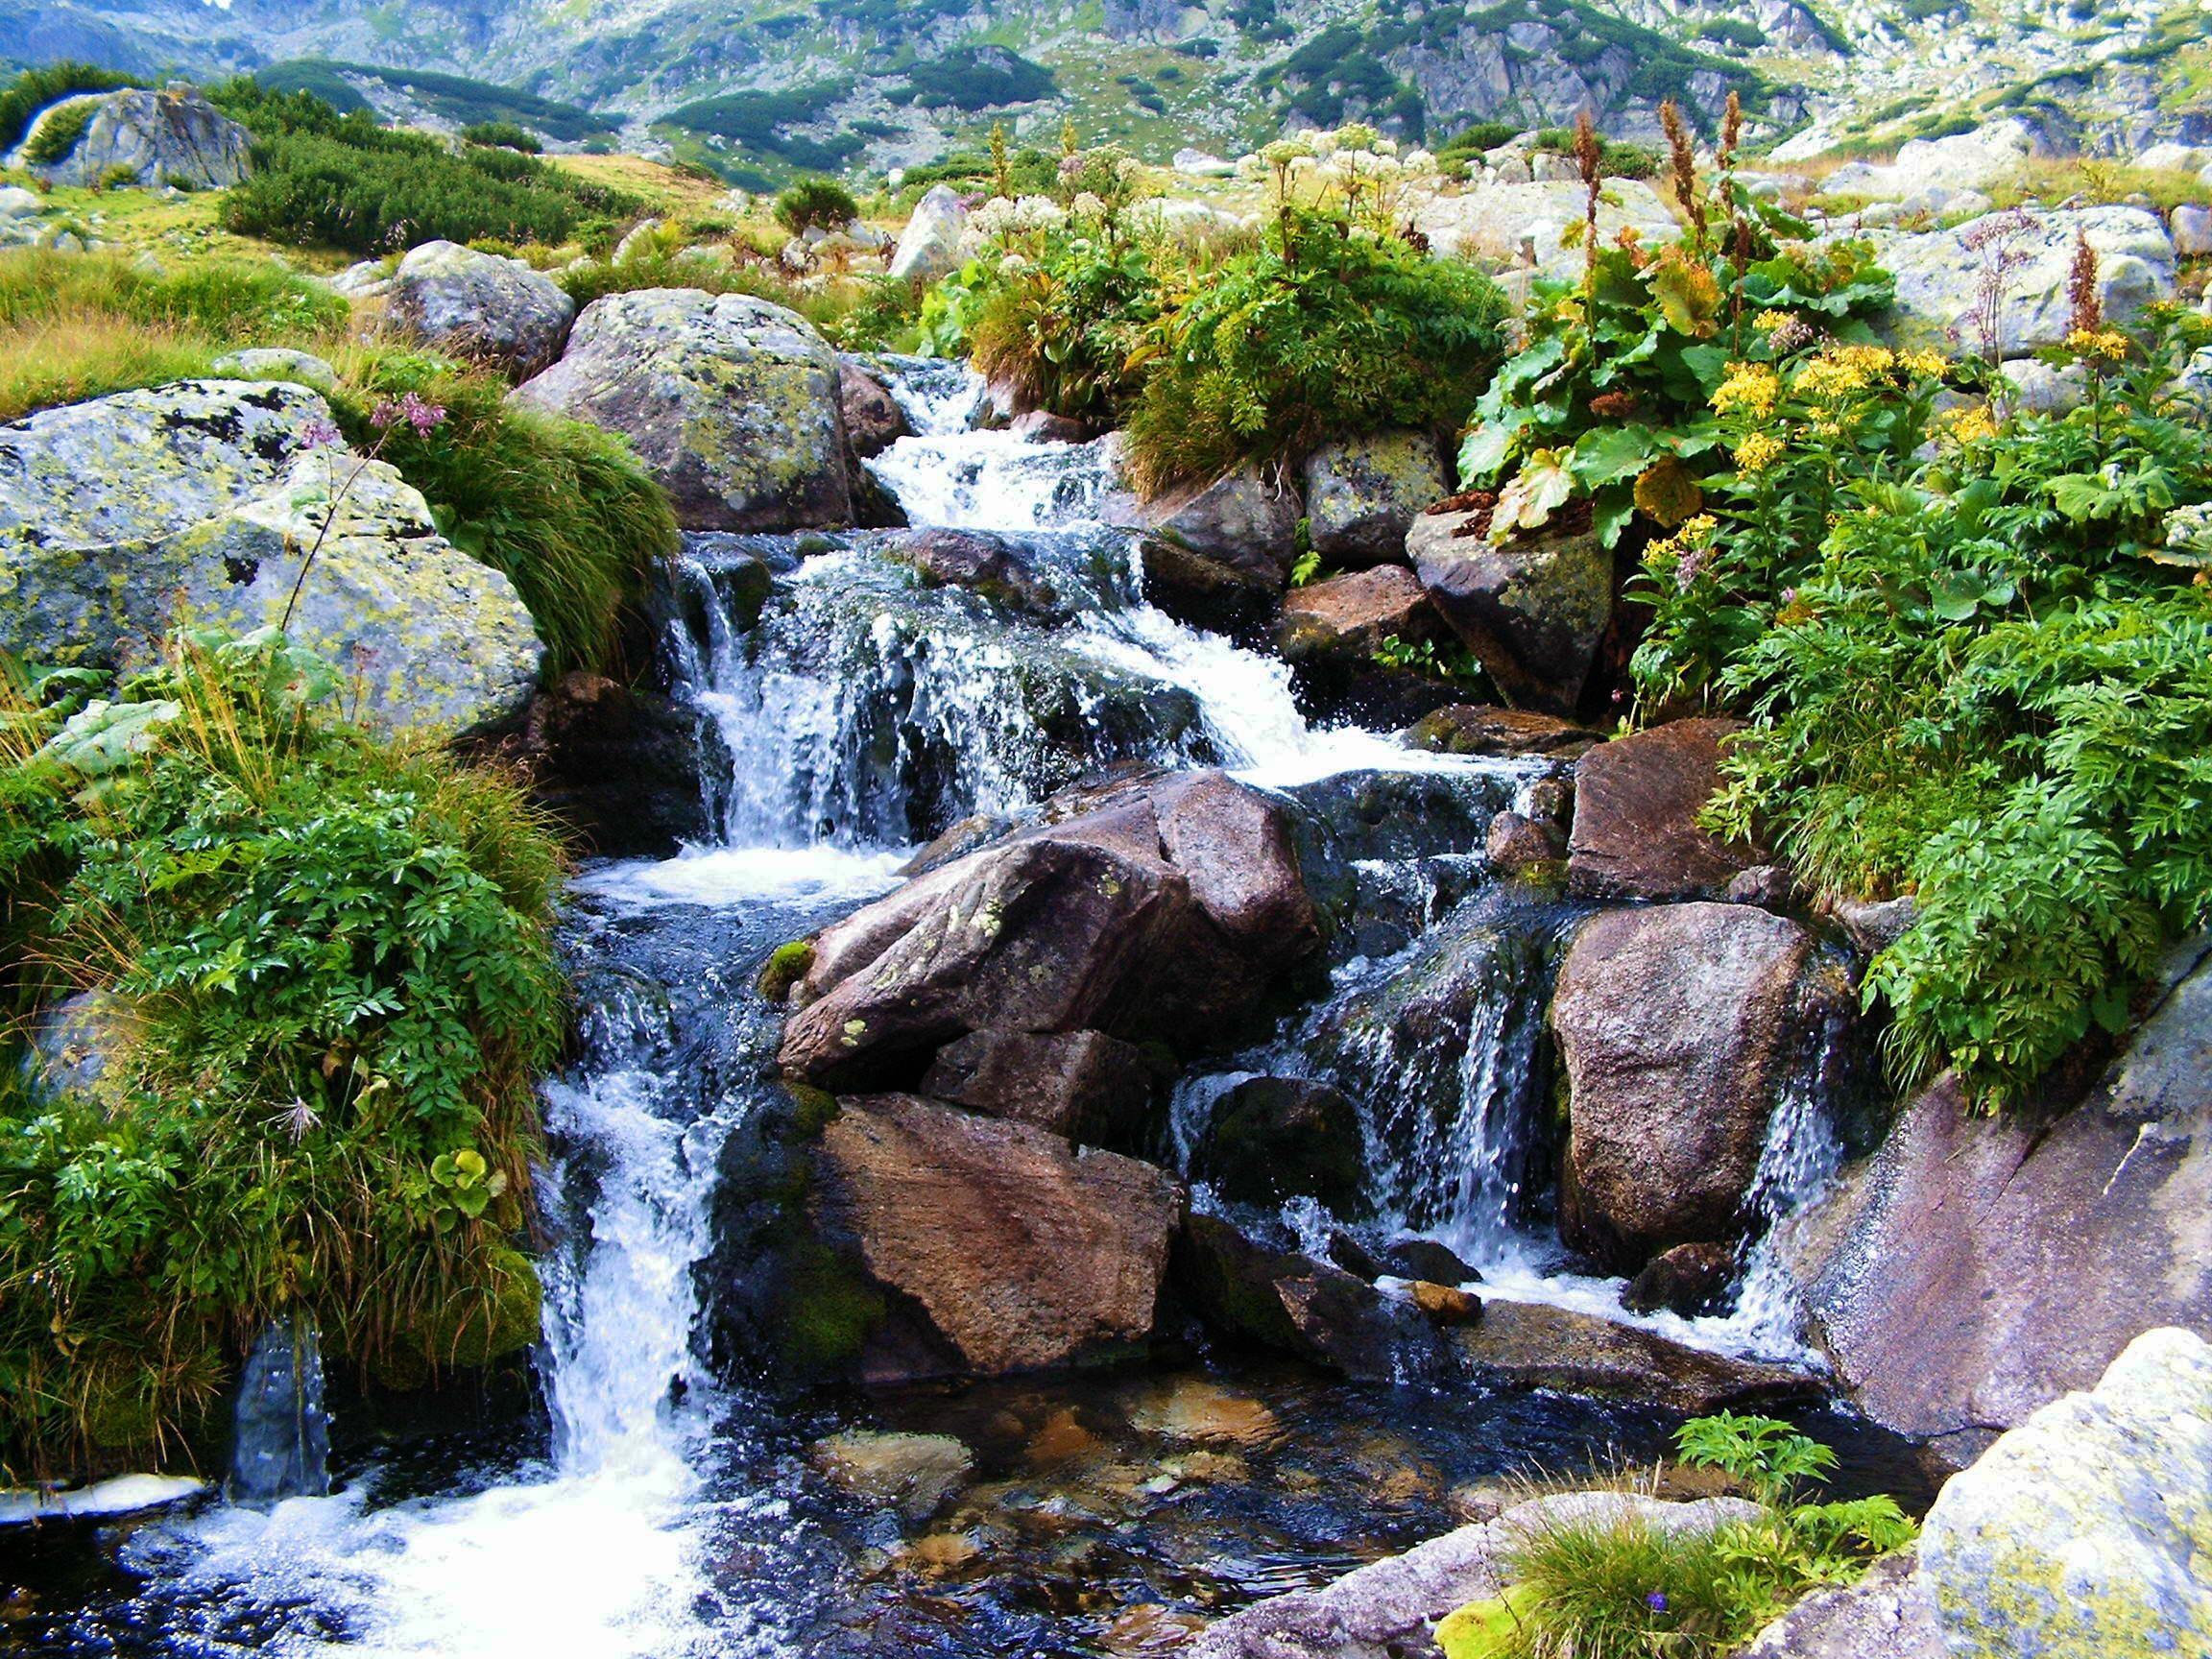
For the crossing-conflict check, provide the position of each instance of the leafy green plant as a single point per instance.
(502, 135)
(320, 968)
(816, 204)
(1763, 1454)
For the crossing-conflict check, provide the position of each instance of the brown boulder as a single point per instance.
(1296, 1305)
(1159, 913)
(1636, 805)
(1977, 1269)
(874, 421)
(1006, 1249)
(984, 563)
(1514, 843)
(1069, 1082)
(1479, 728)
(1445, 1303)
(1533, 609)
(1528, 1345)
(1680, 1026)
(1349, 616)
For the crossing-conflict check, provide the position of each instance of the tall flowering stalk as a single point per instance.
(410, 413)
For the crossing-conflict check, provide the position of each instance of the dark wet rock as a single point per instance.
(999, 1247)
(1205, 592)
(1517, 845)
(1347, 618)
(1636, 805)
(874, 421)
(1769, 886)
(620, 767)
(1159, 913)
(1363, 494)
(1272, 1138)
(1242, 522)
(1425, 1259)
(1977, 1269)
(1074, 1083)
(992, 565)
(1680, 1027)
(1043, 426)
(280, 1436)
(1528, 1345)
(1689, 1280)
(1531, 610)
(1479, 728)
(730, 401)
(1296, 1305)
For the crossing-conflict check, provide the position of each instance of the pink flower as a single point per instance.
(420, 416)
(319, 434)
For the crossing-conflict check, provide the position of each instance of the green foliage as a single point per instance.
(760, 122)
(36, 90)
(973, 78)
(328, 985)
(561, 507)
(501, 135)
(325, 179)
(816, 204)
(1739, 33)
(456, 97)
(58, 132)
(1763, 1454)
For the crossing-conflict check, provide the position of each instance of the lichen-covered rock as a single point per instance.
(1238, 531)
(1531, 610)
(1889, 1614)
(1939, 273)
(122, 516)
(1362, 493)
(174, 137)
(930, 247)
(277, 363)
(730, 402)
(480, 306)
(1681, 1027)
(1482, 729)
(2086, 1532)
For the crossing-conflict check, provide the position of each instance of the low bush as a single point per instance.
(502, 135)
(816, 204)
(58, 130)
(325, 988)
(36, 90)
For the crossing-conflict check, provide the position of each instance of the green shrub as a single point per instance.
(36, 90)
(330, 987)
(456, 97)
(816, 204)
(973, 78)
(1737, 32)
(501, 135)
(58, 132)
(561, 507)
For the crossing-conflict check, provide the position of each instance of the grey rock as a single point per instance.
(874, 421)
(1076, 1083)
(18, 203)
(120, 516)
(155, 137)
(1363, 494)
(277, 363)
(1889, 1614)
(481, 306)
(1492, 224)
(2192, 224)
(1533, 610)
(930, 247)
(2043, 389)
(730, 402)
(1242, 522)
(77, 1050)
(1975, 1268)
(2081, 1533)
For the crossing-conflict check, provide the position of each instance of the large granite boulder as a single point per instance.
(2082, 1533)
(1889, 1614)
(1540, 225)
(1976, 1268)
(1074, 1083)
(122, 517)
(1636, 834)
(1295, 1305)
(175, 138)
(1989, 155)
(930, 247)
(730, 402)
(1006, 1249)
(1533, 609)
(1681, 1028)
(1157, 913)
(1939, 273)
(1363, 494)
(480, 306)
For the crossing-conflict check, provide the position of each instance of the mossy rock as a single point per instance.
(785, 967)
(1484, 1629)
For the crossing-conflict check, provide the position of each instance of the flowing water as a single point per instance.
(856, 713)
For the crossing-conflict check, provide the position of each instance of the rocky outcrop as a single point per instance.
(1390, 1609)
(1940, 275)
(2080, 1534)
(1273, 1139)
(1363, 494)
(1295, 1305)
(480, 306)
(1000, 1247)
(1680, 1028)
(731, 403)
(120, 516)
(1347, 618)
(1689, 1280)
(1158, 912)
(930, 247)
(173, 137)
(1636, 834)
(1975, 1269)
(1531, 610)
(619, 765)
(1075, 1083)
(1531, 1345)
(1480, 729)
(1889, 1614)
(1528, 223)
(1989, 155)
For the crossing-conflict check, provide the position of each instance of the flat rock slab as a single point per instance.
(1528, 1345)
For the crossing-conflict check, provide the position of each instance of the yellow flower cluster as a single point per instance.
(1766, 322)
(1751, 387)
(1758, 452)
(1928, 365)
(1839, 369)
(2107, 343)
(1973, 425)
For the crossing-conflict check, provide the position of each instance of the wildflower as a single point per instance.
(1758, 452)
(1792, 333)
(2087, 314)
(1090, 204)
(1767, 321)
(420, 416)
(319, 434)
(2107, 343)
(1656, 1601)
(1970, 425)
(1751, 387)
(298, 1120)
(1928, 365)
